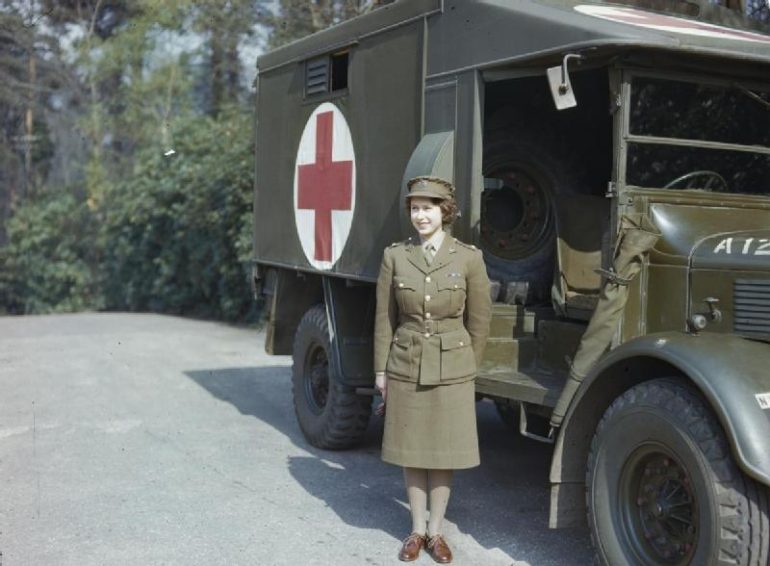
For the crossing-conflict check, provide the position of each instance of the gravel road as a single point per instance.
(147, 439)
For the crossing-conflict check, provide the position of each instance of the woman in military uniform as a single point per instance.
(432, 322)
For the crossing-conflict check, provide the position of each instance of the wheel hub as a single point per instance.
(515, 217)
(665, 514)
(317, 379)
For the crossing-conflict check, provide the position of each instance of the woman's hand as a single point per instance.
(381, 384)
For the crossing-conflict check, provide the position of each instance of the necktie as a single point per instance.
(428, 252)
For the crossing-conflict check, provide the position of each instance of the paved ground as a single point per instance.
(144, 439)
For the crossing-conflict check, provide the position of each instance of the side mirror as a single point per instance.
(561, 87)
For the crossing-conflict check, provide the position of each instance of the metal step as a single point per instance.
(509, 354)
(537, 387)
(511, 320)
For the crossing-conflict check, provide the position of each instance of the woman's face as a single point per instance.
(426, 216)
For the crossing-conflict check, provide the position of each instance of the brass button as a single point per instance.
(427, 315)
(455, 286)
(400, 284)
(427, 334)
(427, 298)
(427, 279)
(462, 343)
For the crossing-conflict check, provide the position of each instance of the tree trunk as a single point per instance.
(29, 122)
(217, 74)
(233, 67)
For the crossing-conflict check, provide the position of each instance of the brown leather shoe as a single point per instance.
(410, 550)
(439, 549)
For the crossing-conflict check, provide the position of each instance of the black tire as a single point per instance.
(662, 487)
(518, 221)
(330, 415)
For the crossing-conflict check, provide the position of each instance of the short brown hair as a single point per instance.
(449, 210)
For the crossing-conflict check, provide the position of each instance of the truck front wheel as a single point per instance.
(662, 487)
(330, 415)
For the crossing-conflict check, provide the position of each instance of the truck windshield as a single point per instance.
(688, 135)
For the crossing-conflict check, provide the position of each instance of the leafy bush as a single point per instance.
(174, 237)
(177, 234)
(50, 261)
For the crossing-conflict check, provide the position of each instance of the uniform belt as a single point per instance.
(432, 326)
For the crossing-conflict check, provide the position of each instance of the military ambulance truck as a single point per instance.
(613, 165)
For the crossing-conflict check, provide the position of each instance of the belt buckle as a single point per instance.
(430, 326)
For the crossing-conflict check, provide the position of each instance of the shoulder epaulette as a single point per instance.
(463, 244)
(402, 243)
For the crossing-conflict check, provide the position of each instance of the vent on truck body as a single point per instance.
(751, 298)
(317, 76)
(327, 74)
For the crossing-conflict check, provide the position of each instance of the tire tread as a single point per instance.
(742, 503)
(346, 416)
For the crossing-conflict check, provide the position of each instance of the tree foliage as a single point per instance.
(178, 232)
(51, 260)
(298, 18)
(29, 70)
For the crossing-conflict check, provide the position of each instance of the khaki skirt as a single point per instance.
(432, 427)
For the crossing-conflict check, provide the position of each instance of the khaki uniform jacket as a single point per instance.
(432, 320)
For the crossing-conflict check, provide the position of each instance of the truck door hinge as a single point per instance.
(612, 190)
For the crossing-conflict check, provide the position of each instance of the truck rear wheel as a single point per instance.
(330, 415)
(662, 487)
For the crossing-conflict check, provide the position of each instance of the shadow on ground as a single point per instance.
(501, 504)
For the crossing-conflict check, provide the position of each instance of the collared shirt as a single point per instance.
(433, 243)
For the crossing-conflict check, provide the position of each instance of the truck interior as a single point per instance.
(545, 230)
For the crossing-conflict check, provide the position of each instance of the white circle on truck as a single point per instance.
(662, 22)
(324, 186)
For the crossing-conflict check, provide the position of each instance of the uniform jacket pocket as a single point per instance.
(453, 290)
(406, 294)
(400, 358)
(457, 358)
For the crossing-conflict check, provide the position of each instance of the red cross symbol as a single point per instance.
(324, 186)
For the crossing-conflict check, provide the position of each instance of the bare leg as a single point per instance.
(416, 480)
(440, 489)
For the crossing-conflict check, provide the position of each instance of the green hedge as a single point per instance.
(49, 261)
(174, 237)
(177, 234)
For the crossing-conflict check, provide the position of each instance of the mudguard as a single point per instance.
(731, 372)
(350, 314)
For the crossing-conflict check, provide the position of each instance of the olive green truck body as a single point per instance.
(622, 202)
